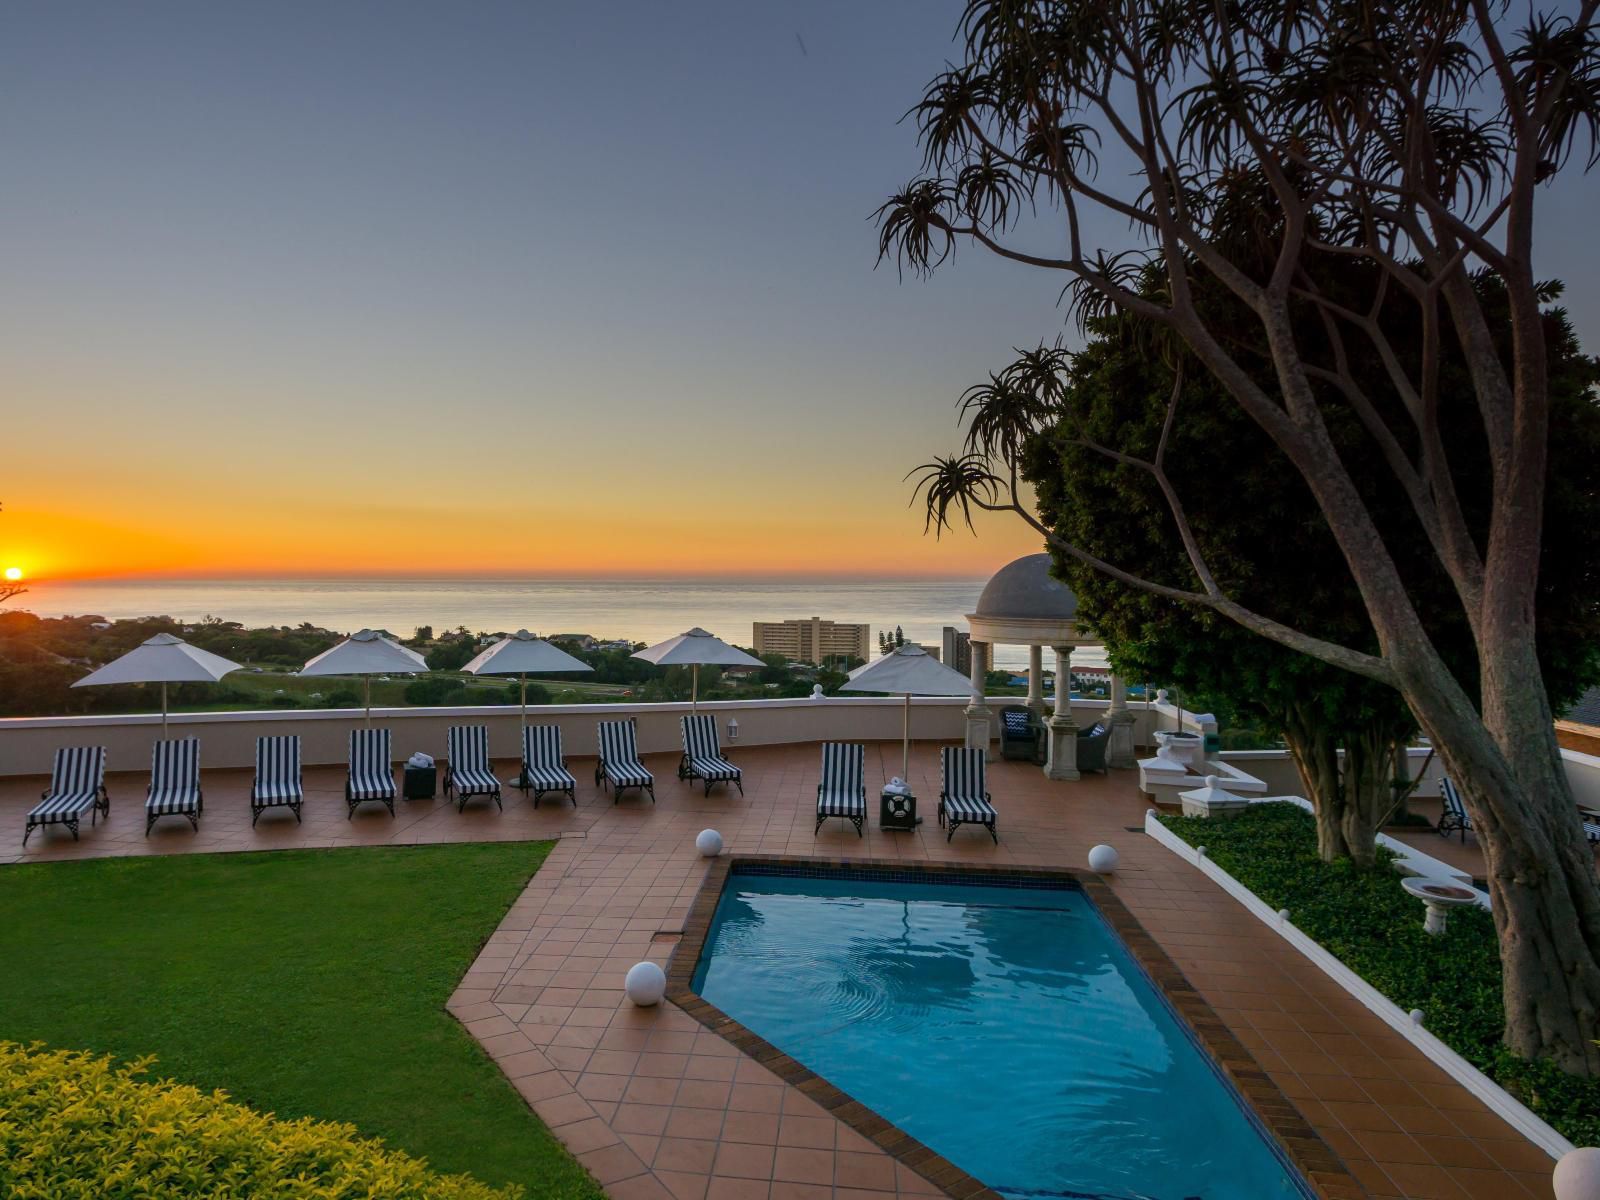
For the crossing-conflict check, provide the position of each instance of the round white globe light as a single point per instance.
(1577, 1175)
(1103, 859)
(709, 843)
(1283, 915)
(646, 984)
(1417, 1017)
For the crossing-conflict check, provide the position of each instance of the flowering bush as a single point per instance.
(76, 1125)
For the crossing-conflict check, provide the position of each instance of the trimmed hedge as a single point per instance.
(76, 1125)
(1368, 921)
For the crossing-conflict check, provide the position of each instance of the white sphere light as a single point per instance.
(709, 843)
(1577, 1175)
(1417, 1017)
(1103, 859)
(646, 984)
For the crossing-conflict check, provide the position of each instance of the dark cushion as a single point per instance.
(1016, 720)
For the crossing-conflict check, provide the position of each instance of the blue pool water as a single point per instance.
(1005, 1027)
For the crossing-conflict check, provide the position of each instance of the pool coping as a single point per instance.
(1323, 1171)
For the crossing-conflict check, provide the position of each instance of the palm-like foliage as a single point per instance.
(1251, 144)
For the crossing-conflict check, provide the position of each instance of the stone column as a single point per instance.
(978, 714)
(1120, 721)
(1036, 681)
(1061, 761)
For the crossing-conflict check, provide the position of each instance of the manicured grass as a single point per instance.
(1369, 922)
(305, 983)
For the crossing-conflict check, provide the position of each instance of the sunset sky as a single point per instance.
(551, 290)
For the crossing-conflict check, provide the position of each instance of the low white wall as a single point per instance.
(1583, 773)
(227, 739)
(1277, 770)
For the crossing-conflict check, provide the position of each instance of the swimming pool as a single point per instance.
(1005, 1027)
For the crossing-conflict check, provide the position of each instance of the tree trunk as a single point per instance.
(1541, 872)
(1350, 798)
(1316, 757)
(1367, 779)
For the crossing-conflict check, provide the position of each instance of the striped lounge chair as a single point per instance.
(468, 773)
(77, 786)
(1591, 829)
(544, 766)
(371, 770)
(962, 797)
(841, 793)
(1455, 816)
(702, 755)
(619, 763)
(277, 783)
(174, 783)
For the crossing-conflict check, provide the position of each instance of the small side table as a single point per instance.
(897, 810)
(421, 783)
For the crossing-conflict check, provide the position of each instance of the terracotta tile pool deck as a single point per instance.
(657, 1106)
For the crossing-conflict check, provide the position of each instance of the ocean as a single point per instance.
(640, 610)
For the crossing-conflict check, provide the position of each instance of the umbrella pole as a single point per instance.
(524, 677)
(905, 746)
(163, 710)
(694, 687)
(366, 693)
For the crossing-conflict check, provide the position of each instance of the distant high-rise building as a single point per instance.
(812, 640)
(957, 650)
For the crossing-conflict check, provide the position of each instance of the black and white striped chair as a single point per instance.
(702, 754)
(842, 792)
(1455, 816)
(963, 799)
(371, 770)
(277, 783)
(544, 766)
(469, 773)
(619, 763)
(174, 783)
(77, 786)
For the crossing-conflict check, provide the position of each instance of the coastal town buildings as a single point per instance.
(812, 640)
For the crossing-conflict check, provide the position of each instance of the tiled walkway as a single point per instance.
(657, 1107)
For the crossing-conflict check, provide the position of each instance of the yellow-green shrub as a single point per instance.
(77, 1125)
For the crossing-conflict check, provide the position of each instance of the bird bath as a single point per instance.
(1440, 895)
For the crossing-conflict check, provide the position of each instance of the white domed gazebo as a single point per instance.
(1025, 605)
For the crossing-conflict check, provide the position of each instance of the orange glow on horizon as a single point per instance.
(824, 541)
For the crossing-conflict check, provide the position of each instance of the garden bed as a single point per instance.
(1368, 922)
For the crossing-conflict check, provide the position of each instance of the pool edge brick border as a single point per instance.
(1322, 1169)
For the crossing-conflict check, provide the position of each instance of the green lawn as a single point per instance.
(305, 983)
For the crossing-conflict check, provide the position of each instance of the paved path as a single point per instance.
(658, 1107)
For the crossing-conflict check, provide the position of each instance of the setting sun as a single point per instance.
(13, 574)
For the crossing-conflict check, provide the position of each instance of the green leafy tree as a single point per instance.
(1259, 533)
(1248, 145)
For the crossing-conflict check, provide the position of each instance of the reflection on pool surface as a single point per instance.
(1007, 1028)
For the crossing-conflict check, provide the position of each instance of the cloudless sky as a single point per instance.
(562, 290)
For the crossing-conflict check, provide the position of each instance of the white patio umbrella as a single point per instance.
(521, 654)
(693, 648)
(162, 659)
(909, 671)
(367, 653)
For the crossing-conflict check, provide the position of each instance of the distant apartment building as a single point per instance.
(957, 650)
(813, 640)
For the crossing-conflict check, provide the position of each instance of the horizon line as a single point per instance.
(499, 577)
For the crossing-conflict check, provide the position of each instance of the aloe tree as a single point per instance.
(1408, 135)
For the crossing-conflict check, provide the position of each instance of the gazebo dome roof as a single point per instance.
(1025, 590)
